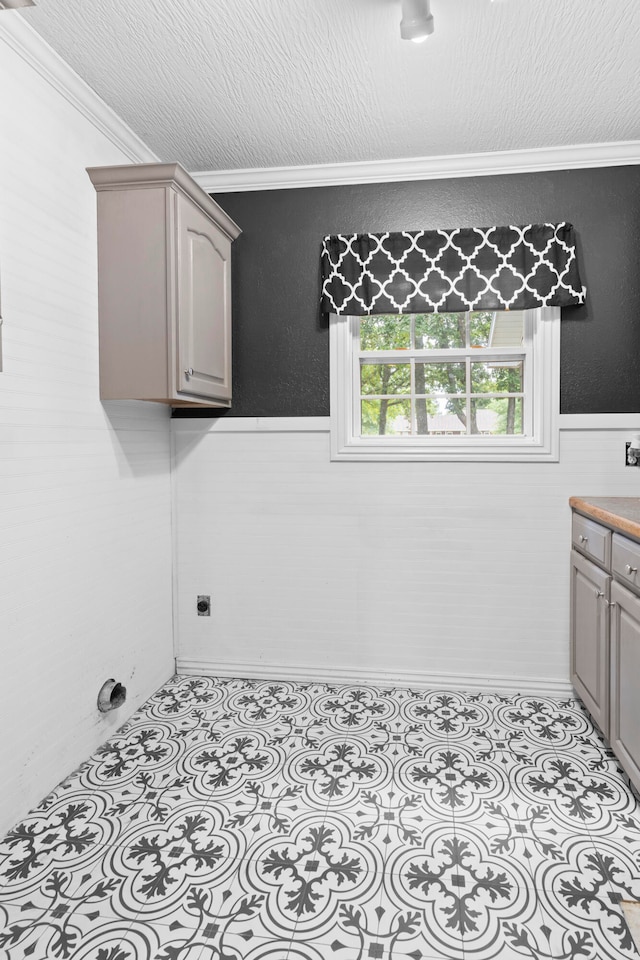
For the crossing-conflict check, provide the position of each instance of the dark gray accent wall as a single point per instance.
(281, 343)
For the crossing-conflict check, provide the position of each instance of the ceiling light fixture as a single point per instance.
(417, 20)
(15, 4)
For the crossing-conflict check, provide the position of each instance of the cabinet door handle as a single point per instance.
(582, 538)
(600, 594)
(188, 373)
(629, 569)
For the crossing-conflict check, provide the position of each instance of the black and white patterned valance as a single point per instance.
(441, 271)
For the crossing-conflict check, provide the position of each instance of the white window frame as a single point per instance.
(540, 442)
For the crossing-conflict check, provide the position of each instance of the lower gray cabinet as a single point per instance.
(590, 590)
(624, 733)
(605, 635)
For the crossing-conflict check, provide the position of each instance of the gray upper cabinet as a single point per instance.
(164, 283)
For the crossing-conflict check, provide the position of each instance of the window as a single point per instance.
(481, 385)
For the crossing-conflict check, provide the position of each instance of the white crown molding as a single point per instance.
(28, 44)
(416, 679)
(422, 168)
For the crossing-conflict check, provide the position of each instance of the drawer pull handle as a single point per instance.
(629, 569)
(188, 373)
(582, 538)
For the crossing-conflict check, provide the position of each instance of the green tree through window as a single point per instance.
(416, 370)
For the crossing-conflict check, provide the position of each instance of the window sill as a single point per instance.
(388, 450)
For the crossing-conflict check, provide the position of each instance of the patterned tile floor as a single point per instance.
(248, 820)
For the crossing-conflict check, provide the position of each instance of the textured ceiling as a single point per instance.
(231, 84)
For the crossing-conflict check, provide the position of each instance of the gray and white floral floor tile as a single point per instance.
(256, 820)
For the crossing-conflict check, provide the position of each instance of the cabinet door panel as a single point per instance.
(625, 670)
(204, 295)
(590, 587)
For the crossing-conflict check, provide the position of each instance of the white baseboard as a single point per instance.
(417, 680)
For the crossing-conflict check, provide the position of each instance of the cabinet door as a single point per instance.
(590, 589)
(204, 305)
(625, 671)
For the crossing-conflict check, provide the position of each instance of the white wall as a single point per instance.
(424, 573)
(85, 549)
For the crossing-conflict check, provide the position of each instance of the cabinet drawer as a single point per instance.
(592, 538)
(626, 560)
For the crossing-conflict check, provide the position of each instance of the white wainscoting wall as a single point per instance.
(85, 501)
(421, 574)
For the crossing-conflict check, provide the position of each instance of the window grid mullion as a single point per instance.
(467, 371)
(414, 415)
(479, 354)
(357, 372)
(467, 384)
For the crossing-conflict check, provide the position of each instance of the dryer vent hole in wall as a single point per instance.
(203, 605)
(111, 696)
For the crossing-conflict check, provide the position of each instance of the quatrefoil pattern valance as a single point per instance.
(441, 271)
